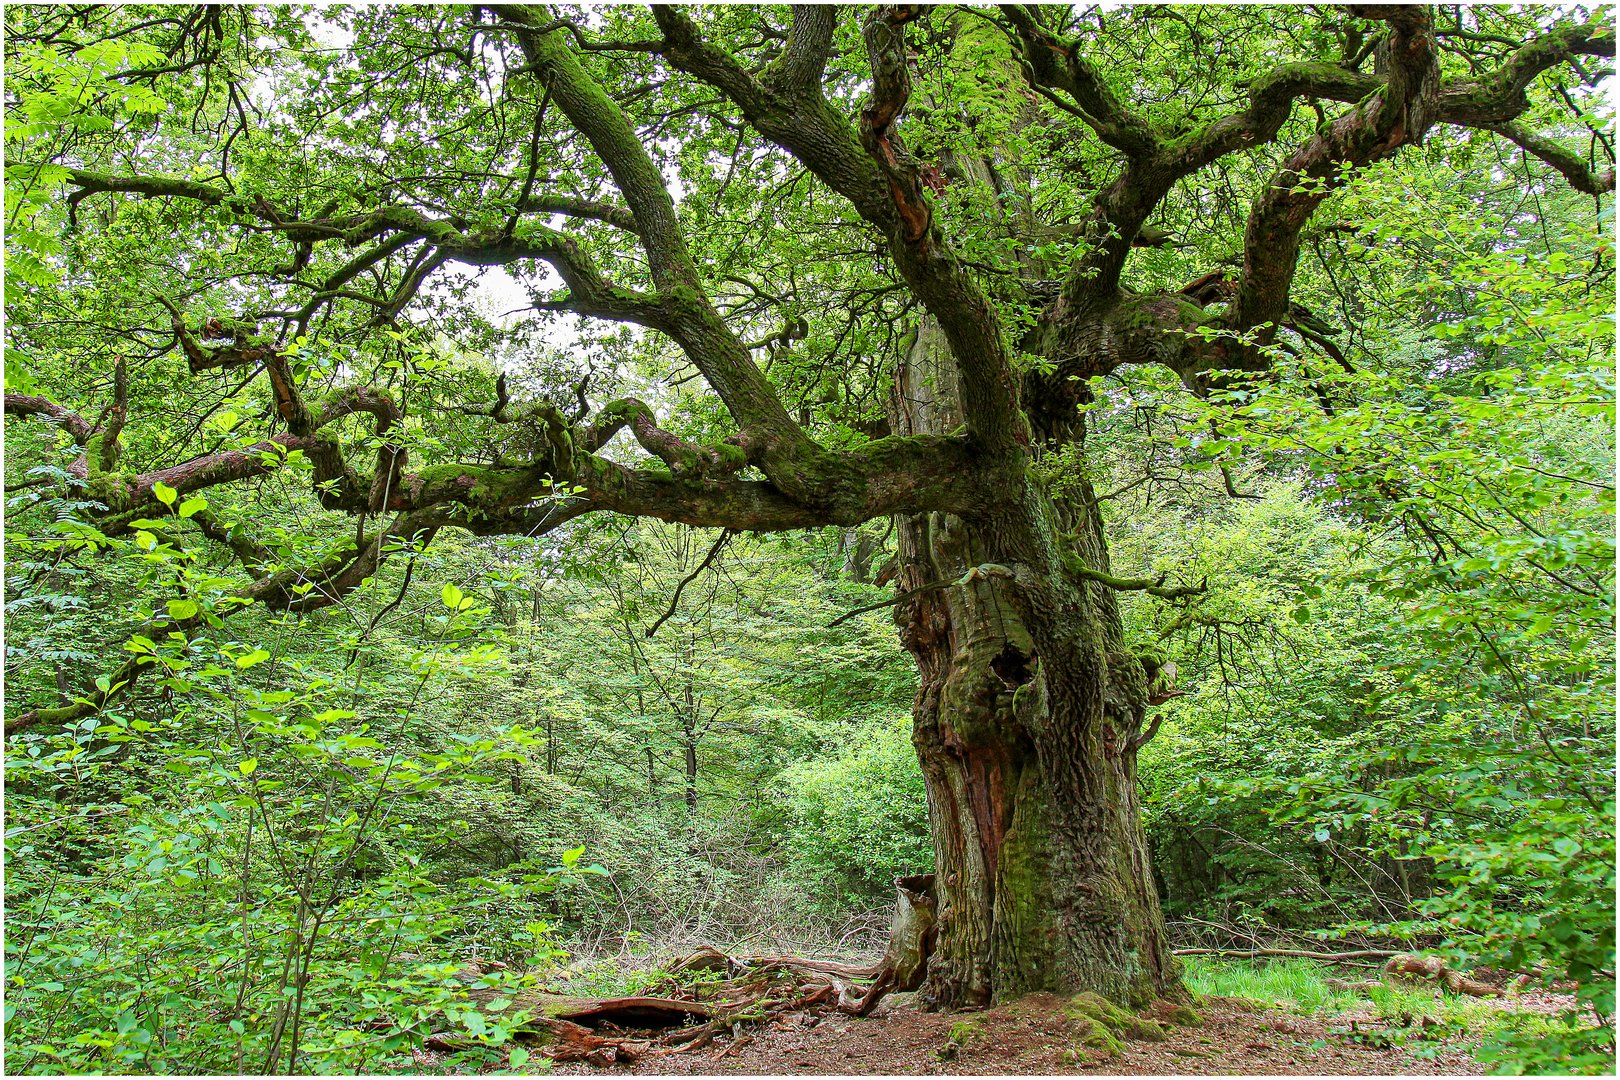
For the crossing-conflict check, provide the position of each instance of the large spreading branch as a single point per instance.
(871, 170)
(1155, 160)
(1395, 110)
(565, 471)
(768, 436)
(388, 230)
(564, 478)
(1399, 113)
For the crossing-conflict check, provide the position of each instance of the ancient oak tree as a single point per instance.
(869, 259)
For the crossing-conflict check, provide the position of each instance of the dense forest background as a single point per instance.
(578, 753)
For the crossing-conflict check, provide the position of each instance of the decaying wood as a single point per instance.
(1305, 954)
(911, 934)
(1432, 967)
(687, 1016)
(682, 1014)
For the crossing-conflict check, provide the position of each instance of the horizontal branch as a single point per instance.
(1571, 166)
(1304, 954)
(1151, 586)
(27, 405)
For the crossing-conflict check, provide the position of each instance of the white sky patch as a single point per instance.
(501, 298)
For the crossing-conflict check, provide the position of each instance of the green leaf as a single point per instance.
(181, 610)
(164, 494)
(451, 596)
(193, 505)
(247, 766)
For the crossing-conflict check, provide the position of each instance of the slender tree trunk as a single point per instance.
(1023, 722)
(859, 546)
(689, 748)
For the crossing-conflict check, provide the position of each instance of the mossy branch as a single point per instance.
(1151, 586)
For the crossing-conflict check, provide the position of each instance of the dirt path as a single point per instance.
(1036, 1035)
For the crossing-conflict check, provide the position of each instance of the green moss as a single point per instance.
(1098, 1037)
(1152, 659)
(965, 1031)
(1183, 1016)
(1024, 891)
(1023, 697)
(732, 457)
(1101, 1013)
(328, 435)
(1093, 1006)
(690, 461)
(96, 447)
(908, 342)
(474, 483)
(115, 489)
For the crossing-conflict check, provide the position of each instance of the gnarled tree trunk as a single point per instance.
(1027, 705)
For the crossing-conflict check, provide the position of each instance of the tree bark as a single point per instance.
(1023, 719)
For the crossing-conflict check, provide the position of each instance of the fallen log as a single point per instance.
(737, 992)
(1354, 954)
(628, 1012)
(1432, 967)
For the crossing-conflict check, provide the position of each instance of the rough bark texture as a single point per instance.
(1024, 713)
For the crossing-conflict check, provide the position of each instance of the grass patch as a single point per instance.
(1420, 1018)
(1298, 984)
(1302, 985)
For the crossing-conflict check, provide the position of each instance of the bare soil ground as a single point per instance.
(1036, 1035)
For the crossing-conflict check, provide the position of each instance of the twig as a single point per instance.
(674, 601)
(975, 573)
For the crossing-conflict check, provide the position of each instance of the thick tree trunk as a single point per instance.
(1024, 716)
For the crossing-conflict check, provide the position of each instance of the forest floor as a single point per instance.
(1036, 1035)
